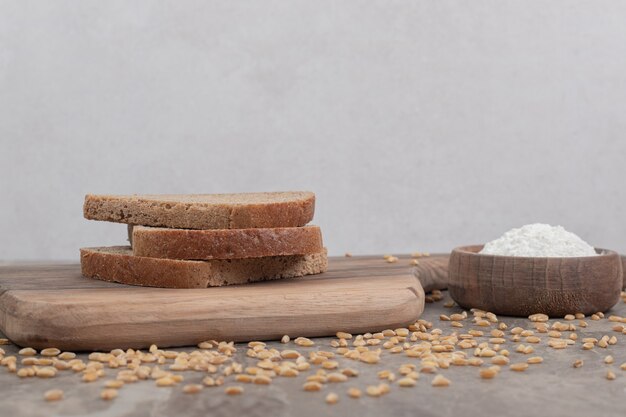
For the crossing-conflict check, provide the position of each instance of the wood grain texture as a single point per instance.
(520, 286)
(53, 305)
(432, 272)
(623, 269)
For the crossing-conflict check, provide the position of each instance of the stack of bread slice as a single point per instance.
(206, 240)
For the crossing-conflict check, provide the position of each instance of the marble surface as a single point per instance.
(553, 388)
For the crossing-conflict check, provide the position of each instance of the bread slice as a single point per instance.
(157, 242)
(204, 211)
(118, 264)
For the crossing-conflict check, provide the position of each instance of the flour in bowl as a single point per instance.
(539, 240)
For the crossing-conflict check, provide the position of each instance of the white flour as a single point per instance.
(539, 240)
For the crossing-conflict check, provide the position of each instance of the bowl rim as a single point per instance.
(601, 254)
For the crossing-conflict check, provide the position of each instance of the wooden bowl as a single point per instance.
(521, 286)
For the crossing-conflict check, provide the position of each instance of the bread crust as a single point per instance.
(204, 211)
(157, 242)
(118, 264)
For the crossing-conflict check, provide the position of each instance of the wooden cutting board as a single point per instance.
(54, 306)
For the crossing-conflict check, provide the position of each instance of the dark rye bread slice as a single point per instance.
(204, 211)
(118, 264)
(158, 242)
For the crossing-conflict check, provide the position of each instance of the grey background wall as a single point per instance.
(421, 125)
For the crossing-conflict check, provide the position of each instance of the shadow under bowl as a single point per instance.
(521, 286)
